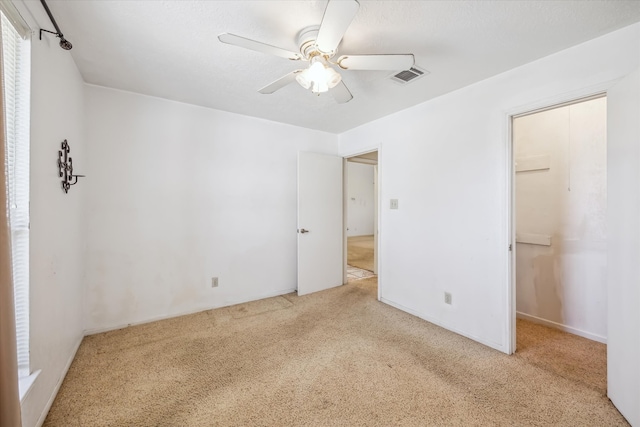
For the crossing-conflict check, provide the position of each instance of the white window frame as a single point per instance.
(16, 82)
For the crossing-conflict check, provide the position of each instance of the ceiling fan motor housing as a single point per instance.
(307, 43)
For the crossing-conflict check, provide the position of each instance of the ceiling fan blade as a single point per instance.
(341, 93)
(376, 62)
(258, 46)
(280, 83)
(337, 18)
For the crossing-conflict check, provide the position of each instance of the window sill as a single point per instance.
(25, 384)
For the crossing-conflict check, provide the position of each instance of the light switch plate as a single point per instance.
(394, 204)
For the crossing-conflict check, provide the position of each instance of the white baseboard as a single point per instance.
(560, 326)
(187, 312)
(495, 346)
(54, 393)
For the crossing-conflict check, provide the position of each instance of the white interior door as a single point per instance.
(320, 209)
(623, 211)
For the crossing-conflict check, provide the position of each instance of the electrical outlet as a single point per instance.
(393, 204)
(214, 282)
(447, 298)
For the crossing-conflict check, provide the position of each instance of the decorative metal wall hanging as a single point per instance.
(65, 164)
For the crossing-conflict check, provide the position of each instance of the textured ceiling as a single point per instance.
(170, 49)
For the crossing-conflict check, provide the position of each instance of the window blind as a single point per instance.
(16, 89)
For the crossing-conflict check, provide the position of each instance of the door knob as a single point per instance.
(302, 230)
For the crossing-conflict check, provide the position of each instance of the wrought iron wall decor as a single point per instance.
(65, 164)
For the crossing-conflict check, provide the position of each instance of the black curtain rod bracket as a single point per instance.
(64, 43)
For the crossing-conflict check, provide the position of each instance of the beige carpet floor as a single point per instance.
(360, 252)
(334, 358)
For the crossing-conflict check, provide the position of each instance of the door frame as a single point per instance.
(377, 215)
(574, 97)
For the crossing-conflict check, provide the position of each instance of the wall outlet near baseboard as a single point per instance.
(447, 298)
(214, 282)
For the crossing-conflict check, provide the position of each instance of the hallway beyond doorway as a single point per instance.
(355, 273)
(360, 252)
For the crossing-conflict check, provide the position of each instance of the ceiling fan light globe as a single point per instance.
(303, 79)
(332, 78)
(316, 71)
(319, 86)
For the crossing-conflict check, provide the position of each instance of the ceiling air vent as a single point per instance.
(413, 73)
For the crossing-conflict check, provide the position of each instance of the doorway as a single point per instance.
(623, 164)
(361, 216)
(559, 181)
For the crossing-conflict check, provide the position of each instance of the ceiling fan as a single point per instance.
(319, 45)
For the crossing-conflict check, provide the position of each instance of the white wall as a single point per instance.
(179, 194)
(360, 199)
(564, 283)
(57, 223)
(446, 161)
